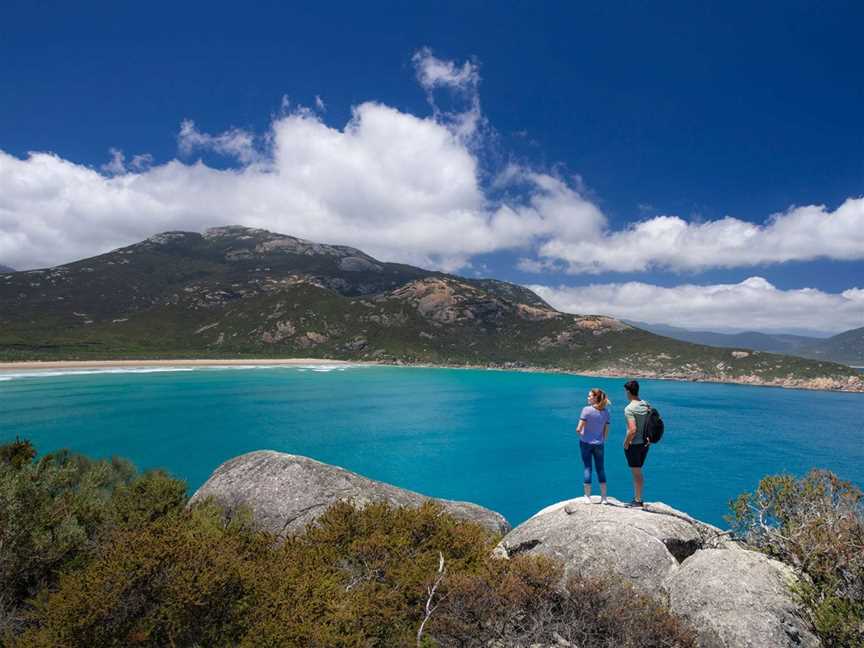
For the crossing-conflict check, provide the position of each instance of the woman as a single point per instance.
(593, 430)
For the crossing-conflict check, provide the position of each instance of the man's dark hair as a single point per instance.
(632, 387)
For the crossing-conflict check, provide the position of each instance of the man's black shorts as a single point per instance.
(636, 454)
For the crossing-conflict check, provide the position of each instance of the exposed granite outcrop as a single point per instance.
(738, 598)
(643, 547)
(733, 597)
(285, 492)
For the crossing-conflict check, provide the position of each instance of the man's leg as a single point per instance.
(638, 482)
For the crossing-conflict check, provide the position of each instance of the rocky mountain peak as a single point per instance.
(168, 237)
(246, 241)
(234, 231)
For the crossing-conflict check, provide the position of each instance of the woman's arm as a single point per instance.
(605, 432)
(581, 427)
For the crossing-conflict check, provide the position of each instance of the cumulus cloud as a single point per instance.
(462, 82)
(235, 143)
(400, 186)
(670, 242)
(754, 303)
(141, 162)
(117, 164)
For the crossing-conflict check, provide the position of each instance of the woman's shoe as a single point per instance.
(636, 504)
(603, 500)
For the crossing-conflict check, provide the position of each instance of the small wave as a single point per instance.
(43, 373)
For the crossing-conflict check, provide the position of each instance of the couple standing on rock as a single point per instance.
(593, 430)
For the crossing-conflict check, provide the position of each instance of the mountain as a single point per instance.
(5, 268)
(240, 292)
(773, 343)
(845, 348)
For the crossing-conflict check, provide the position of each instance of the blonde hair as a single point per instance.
(601, 400)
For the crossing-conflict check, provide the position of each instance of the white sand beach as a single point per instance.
(198, 362)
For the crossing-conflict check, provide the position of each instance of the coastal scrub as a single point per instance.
(815, 524)
(137, 567)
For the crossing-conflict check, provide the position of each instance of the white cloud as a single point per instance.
(670, 242)
(433, 72)
(753, 304)
(117, 163)
(236, 143)
(141, 162)
(402, 187)
(461, 81)
(398, 186)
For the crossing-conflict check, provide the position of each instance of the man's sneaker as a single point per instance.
(603, 500)
(635, 504)
(586, 499)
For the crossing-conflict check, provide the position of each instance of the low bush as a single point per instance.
(56, 509)
(178, 581)
(816, 525)
(520, 603)
(144, 570)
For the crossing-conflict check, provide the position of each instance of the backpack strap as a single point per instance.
(645, 422)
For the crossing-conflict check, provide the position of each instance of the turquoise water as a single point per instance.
(502, 439)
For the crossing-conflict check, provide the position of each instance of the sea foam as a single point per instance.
(53, 373)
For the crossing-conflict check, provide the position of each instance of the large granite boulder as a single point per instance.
(643, 546)
(733, 597)
(738, 599)
(286, 492)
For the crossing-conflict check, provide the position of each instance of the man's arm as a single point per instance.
(631, 431)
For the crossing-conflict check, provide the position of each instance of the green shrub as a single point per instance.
(357, 578)
(360, 577)
(56, 509)
(176, 581)
(815, 524)
(17, 454)
(147, 498)
(102, 556)
(520, 603)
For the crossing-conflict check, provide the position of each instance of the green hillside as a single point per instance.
(846, 347)
(239, 292)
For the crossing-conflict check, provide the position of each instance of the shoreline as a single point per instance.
(36, 365)
(196, 362)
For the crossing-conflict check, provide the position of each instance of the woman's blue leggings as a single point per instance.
(593, 450)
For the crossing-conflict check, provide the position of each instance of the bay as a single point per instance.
(504, 440)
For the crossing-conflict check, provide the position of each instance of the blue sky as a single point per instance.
(579, 120)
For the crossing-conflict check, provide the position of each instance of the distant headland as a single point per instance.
(235, 294)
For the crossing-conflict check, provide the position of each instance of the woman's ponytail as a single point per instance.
(601, 401)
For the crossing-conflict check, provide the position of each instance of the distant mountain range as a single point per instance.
(5, 268)
(846, 348)
(240, 292)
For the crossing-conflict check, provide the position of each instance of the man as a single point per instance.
(635, 443)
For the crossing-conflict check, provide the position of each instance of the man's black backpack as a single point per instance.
(653, 426)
